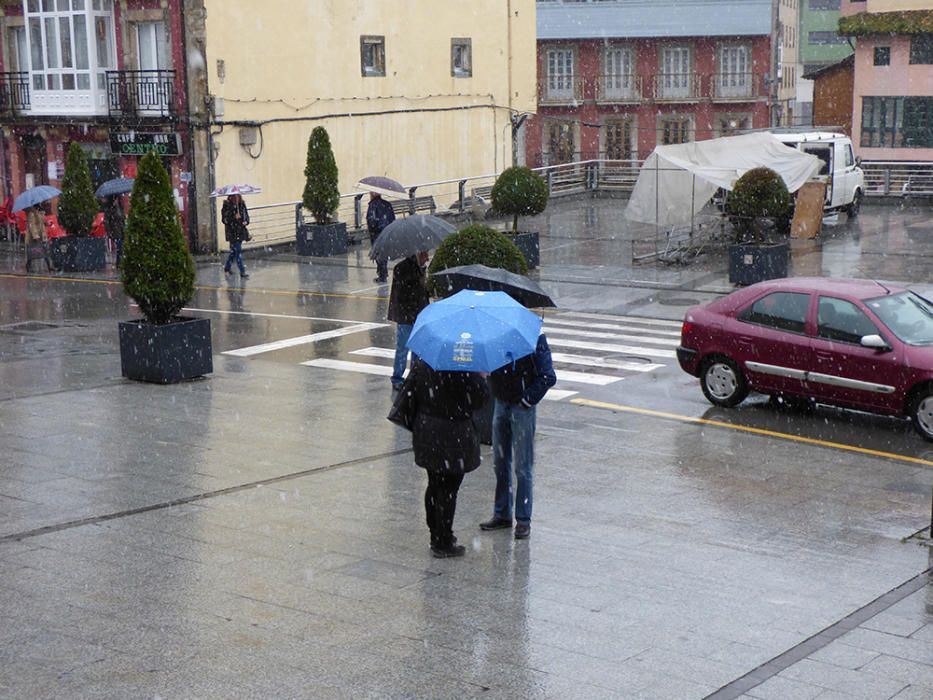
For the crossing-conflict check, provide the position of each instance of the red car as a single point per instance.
(851, 343)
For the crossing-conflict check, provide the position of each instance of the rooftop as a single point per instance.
(653, 18)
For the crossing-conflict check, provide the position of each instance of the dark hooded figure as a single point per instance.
(446, 444)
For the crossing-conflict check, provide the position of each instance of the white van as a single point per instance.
(845, 181)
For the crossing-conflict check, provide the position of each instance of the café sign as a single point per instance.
(138, 143)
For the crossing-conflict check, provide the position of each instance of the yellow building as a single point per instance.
(419, 91)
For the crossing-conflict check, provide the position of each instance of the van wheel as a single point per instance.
(921, 413)
(723, 382)
(853, 209)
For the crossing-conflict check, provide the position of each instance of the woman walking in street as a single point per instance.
(37, 237)
(235, 218)
(446, 444)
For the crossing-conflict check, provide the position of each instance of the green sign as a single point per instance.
(138, 143)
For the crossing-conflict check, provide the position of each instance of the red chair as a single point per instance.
(98, 230)
(53, 228)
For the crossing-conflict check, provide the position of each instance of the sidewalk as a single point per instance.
(260, 534)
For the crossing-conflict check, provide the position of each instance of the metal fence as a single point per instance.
(275, 223)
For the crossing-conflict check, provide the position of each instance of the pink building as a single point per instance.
(615, 79)
(892, 109)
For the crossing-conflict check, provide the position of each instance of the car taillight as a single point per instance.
(686, 329)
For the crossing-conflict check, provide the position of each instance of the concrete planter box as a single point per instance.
(750, 263)
(321, 240)
(73, 254)
(528, 244)
(166, 354)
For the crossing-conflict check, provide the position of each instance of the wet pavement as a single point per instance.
(260, 533)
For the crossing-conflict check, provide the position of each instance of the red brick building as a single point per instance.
(618, 78)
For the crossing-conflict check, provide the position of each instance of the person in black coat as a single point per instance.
(446, 444)
(235, 218)
(379, 214)
(408, 297)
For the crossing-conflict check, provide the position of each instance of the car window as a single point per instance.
(850, 159)
(784, 311)
(908, 315)
(843, 321)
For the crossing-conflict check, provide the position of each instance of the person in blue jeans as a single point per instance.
(235, 218)
(407, 297)
(517, 388)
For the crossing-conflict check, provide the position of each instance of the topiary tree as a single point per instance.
(322, 193)
(476, 245)
(759, 200)
(519, 192)
(77, 205)
(158, 270)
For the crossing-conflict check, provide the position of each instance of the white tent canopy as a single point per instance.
(677, 181)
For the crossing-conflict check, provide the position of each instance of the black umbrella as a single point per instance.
(119, 185)
(404, 237)
(492, 279)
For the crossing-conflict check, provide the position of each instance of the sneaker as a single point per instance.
(454, 550)
(522, 531)
(379, 280)
(244, 275)
(228, 272)
(496, 524)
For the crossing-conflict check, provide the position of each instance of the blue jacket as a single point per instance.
(527, 380)
(379, 214)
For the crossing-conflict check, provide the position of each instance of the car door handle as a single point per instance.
(824, 356)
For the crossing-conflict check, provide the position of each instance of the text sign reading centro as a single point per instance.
(138, 143)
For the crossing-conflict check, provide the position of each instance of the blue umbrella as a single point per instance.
(474, 332)
(35, 195)
(119, 185)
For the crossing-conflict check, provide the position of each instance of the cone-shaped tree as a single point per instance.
(158, 270)
(519, 192)
(77, 205)
(322, 193)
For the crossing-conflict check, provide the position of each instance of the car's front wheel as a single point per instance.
(853, 209)
(723, 382)
(921, 413)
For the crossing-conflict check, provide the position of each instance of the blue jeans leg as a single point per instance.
(402, 331)
(502, 459)
(523, 454)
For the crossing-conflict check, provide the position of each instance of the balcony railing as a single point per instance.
(141, 93)
(560, 89)
(735, 86)
(675, 87)
(620, 87)
(14, 93)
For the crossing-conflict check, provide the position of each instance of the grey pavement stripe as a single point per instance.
(672, 333)
(808, 647)
(644, 320)
(17, 536)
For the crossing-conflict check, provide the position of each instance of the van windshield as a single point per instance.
(909, 316)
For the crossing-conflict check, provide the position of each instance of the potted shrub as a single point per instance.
(477, 245)
(77, 207)
(321, 197)
(759, 208)
(519, 192)
(158, 273)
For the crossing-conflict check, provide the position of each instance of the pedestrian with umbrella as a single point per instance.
(235, 218)
(115, 223)
(379, 214)
(37, 236)
(408, 296)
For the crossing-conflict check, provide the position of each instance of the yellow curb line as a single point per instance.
(747, 429)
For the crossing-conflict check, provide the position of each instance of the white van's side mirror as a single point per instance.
(858, 161)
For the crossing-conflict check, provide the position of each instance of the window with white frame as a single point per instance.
(675, 78)
(560, 74)
(618, 79)
(735, 77)
(461, 58)
(152, 46)
(70, 48)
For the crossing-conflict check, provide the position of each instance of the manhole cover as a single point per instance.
(28, 326)
(677, 301)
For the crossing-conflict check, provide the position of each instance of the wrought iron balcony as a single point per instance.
(619, 87)
(140, 93)
(735, 87)
(675, 87)
(14, 93)
(560, 90)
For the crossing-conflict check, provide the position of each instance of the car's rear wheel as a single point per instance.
(723, 382)
(853, 208)
(921, 413)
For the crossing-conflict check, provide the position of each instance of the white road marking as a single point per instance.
(262, 315)
(669, 342)
(611, 347)
(591, 361)
(564, 375)
(609, 327)
(627, 319)
(301, 340)
(388, 353)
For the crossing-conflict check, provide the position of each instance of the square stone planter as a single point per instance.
(529, 245)
(168, 353)
(321, 240)
(73, 254)
(751, 262)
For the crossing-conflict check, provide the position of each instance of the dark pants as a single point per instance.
(118, 246)
(440, 502)
(382, 264)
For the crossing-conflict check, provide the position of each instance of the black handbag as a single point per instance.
(405, 407)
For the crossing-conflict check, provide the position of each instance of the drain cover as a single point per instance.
(678, 301)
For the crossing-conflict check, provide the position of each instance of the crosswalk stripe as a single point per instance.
(386, 371)
(569, 359)
(610, 327)
(301, 340)
(611, 347)
(627, 319)
(669, 342)
(388, 353)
